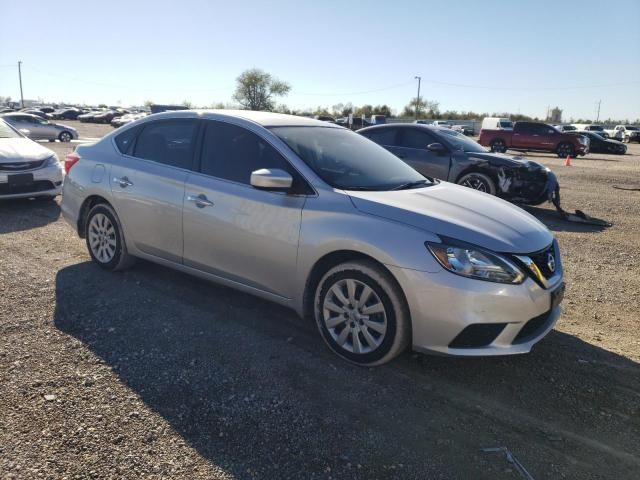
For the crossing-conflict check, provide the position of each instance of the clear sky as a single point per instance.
(518, 56)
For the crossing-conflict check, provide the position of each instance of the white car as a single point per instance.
(27, 169)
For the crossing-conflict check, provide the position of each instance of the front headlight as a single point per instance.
(473, 262)
(52, 161)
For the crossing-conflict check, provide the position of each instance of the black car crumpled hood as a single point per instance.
(500, 160)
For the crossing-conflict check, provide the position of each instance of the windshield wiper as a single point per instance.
(416, 183)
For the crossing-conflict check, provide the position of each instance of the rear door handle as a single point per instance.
(124, 182)
(200, 200)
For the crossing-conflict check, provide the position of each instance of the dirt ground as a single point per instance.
(150, 373)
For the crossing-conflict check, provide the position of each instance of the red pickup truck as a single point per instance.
(531, 136)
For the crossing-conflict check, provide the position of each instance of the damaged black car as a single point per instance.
(599, 144)
(448, 155)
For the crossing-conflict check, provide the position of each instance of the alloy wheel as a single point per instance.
(354, 316)
(102, 238)
(65, 137)
(475, 182)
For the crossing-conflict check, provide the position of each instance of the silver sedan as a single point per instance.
(27, 169)
(41, 128)
(318, 218)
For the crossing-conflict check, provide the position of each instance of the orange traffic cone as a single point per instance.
(567, 162)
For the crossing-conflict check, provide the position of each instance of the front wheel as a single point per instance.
(564, 150)
(478, 181)
(361, 313)
(105, 239)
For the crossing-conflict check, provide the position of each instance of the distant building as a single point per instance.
(556, 116)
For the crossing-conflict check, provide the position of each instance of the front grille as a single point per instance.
(541, 259)
(38, 186)
(20, 166)
(532, 328)
(477, 335)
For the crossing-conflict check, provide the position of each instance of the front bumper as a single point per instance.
(444, 305)
(47, 181)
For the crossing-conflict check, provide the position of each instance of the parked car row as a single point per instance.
(100, 116)
(127, 118)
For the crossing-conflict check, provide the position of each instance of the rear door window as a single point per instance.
(170, 142)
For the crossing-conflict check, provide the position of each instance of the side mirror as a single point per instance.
(436, 147)
(25, 132)
(271, 179)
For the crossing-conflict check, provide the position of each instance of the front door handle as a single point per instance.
(124, 182)
(201, 200)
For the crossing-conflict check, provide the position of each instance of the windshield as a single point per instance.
(459, 142)
(346, 160)
(7, 132)
(631, 128)
(506, 124)
(597, 128)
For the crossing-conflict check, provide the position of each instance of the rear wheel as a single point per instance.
(105, 239)
(65, 136)
(361, 313)
(478, 181)
(498, 146)
(565, 149)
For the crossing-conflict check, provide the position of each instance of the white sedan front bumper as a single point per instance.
(47, 182)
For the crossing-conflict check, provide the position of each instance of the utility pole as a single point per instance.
(598, 115)
(20, 77)
(418, 97)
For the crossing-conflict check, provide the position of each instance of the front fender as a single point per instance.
(327, 230)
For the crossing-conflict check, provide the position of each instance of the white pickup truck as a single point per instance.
(625, 133)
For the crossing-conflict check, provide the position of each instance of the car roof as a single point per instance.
(266, 119)
(408, 125)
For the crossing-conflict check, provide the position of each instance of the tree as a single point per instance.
(256, 90)
(428, 108)
(382, 110)
(187, 103)
(147, 104)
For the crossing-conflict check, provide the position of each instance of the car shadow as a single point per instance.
(578, 160)
(252, 387)
(556, 223)
(25, 214)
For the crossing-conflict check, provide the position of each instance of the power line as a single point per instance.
(572, 87)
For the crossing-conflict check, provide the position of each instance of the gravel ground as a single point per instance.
(150, 373)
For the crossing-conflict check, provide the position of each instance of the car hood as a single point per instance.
(22, 150)
(501, 160)
(461, 213)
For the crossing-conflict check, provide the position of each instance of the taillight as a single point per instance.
(70, 160)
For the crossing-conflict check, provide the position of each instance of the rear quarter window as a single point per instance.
(124, 141)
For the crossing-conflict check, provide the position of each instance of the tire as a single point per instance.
(478, 181)
(366, 340)
(498, 146)
(565, 149)
(104, 232)
(65, 136)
